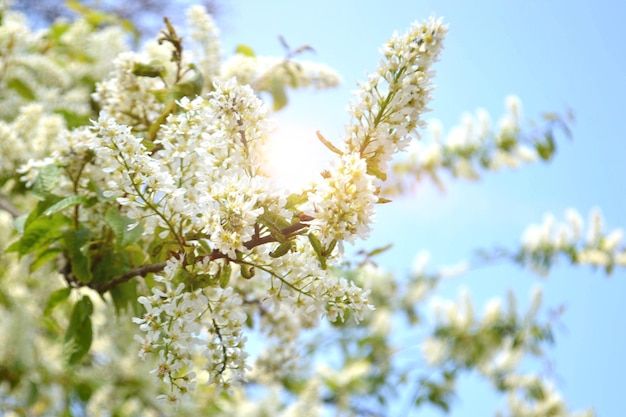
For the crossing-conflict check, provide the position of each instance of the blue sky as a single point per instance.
(553, 55)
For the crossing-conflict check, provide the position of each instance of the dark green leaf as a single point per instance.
(152, 69)
(120, 224)
(38, 233)
(76, 242)
(79, 335)
(70, 201)
(124, 296)
(46, 181)
(56, 298)
(43, 257)
(108, 264)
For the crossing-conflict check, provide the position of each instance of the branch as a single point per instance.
(287, 231)
(8, 207)
(142, 271)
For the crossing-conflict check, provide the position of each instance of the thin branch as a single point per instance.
(287, 231)
(9, 208)
(142, 271)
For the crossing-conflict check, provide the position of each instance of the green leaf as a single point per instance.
(328, 144)
(76, 244)
(329, 249)
(73, 119)
(153, 69)
(225, 273)
(21, 88)
(40, 232)
(57, 30)
(70, 201)
(46, 181)
(275, 224)
(247, 271)
(120, 225)
(43, 257)
(108, 264)
(56, 298)
(279, 96)
(372, 169)
(190, 88)
(124, 296)
(79, 334)
(281, 249)
(294, 200)
(546, 149)
(244, 50)
(378, 251)
(317, 247)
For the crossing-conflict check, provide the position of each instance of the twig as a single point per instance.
(8, 207)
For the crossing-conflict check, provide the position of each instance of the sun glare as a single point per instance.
(295, 156)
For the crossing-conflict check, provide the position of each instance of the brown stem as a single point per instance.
(287, 231)
(144, 270)
(8, 207)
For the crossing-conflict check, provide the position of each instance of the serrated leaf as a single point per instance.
(108, 264)
(43, 257)
(120, 224)
(46, 181)
(279, 96)
(38, 233)
(244, 50)
(70, 201)
(124, 296)
(56, 298)
(79, 334)
(75, 242)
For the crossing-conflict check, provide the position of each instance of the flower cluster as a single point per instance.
(169, 184)
(389, 105)
(177, 322)
(43, 69)
(342, 203)
(542, 244)
(264, 73)
(206, 34)
(474, 145)
(495, 345)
